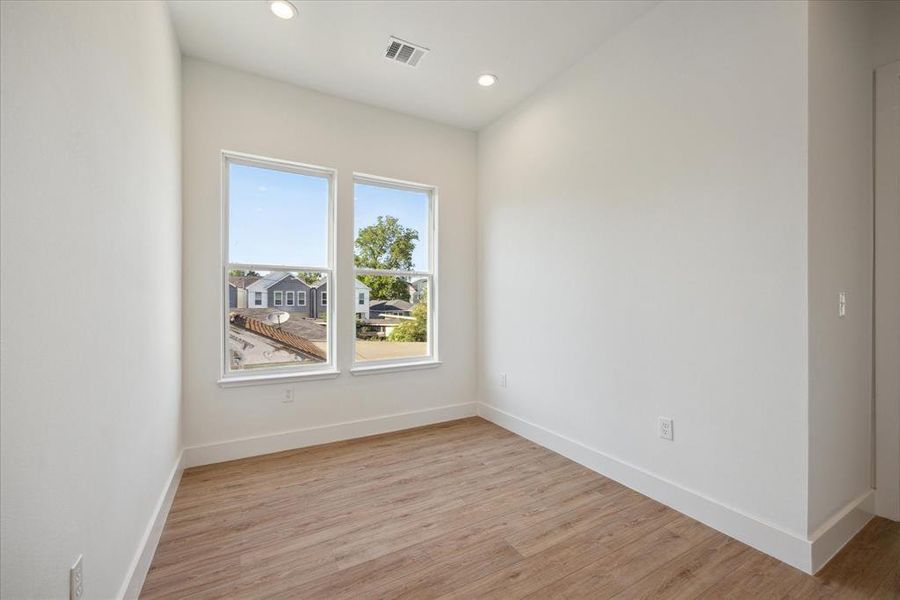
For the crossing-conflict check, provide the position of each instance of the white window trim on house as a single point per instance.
(257, 298)
(301, 298)
(278, 298)
(324, 370)
(324, 299)
(431, 359)
(289, 298)
(361, 299)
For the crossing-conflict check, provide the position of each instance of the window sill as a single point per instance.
(246, 380)
(394, 368)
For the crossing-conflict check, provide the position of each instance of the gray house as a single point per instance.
(233, 295)
(390, 308)
(287, 292)
(237, 289)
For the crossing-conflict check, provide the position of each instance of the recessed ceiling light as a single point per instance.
(283, 9)
(487, 80)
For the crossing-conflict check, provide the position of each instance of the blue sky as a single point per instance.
(281, 218)
(277, 218)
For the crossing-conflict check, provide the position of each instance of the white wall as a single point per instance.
(885, 18)
(90, 238)
(887, 290)
(886, 56)
(227, 109)
(666, 173)
(840, 256)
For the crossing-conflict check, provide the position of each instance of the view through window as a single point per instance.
(394, 270)
(277, 267)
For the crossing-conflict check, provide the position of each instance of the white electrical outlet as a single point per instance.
(76, 580)
(666, 431)
(288, 395)
(842, 304)
(502, 380)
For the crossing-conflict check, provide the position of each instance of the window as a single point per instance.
(278, 232)
(395, 269)
(324, 299)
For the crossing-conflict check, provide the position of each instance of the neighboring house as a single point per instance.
(386, 308)
(237, 290)
(360, 296)
(287, 292)
(284, 291)
(233, 296)
(361, 300)
(417, 289)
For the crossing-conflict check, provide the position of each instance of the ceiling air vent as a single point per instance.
(404, 52)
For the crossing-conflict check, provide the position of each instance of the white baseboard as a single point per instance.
(834, 534)
(793, 548)
(887, 502)
(196, 456)
(134, 581)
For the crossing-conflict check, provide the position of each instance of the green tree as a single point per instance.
(308, 278)
(416, 329)
(242, 273)
(386, 245)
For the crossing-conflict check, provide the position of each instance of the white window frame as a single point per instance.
(289, 298)
(278, 298)
(323, 299)
(361, 299)
(258, 298)
(431, 359)
(328, 369)
(301, 297)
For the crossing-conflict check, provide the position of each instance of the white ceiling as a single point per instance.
(338, 47)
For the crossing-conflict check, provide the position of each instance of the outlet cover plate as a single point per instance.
(76, 580)
(666, 428)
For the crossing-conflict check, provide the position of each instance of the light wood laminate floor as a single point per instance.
(465, 510)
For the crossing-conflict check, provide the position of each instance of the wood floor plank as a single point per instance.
(889, 589)
(545, 568)
(616, 571)
(464, 510)
(432, 581)
(759, 577)
(692, 572)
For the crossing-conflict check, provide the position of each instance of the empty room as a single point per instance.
(449, 299)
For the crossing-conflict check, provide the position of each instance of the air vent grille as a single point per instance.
(404, 52)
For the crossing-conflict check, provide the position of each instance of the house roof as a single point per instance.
(359, 284)
(278, 334)
(386, 305)
(297, 325)
(269, 280)
(264, 283)
(242, 281)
